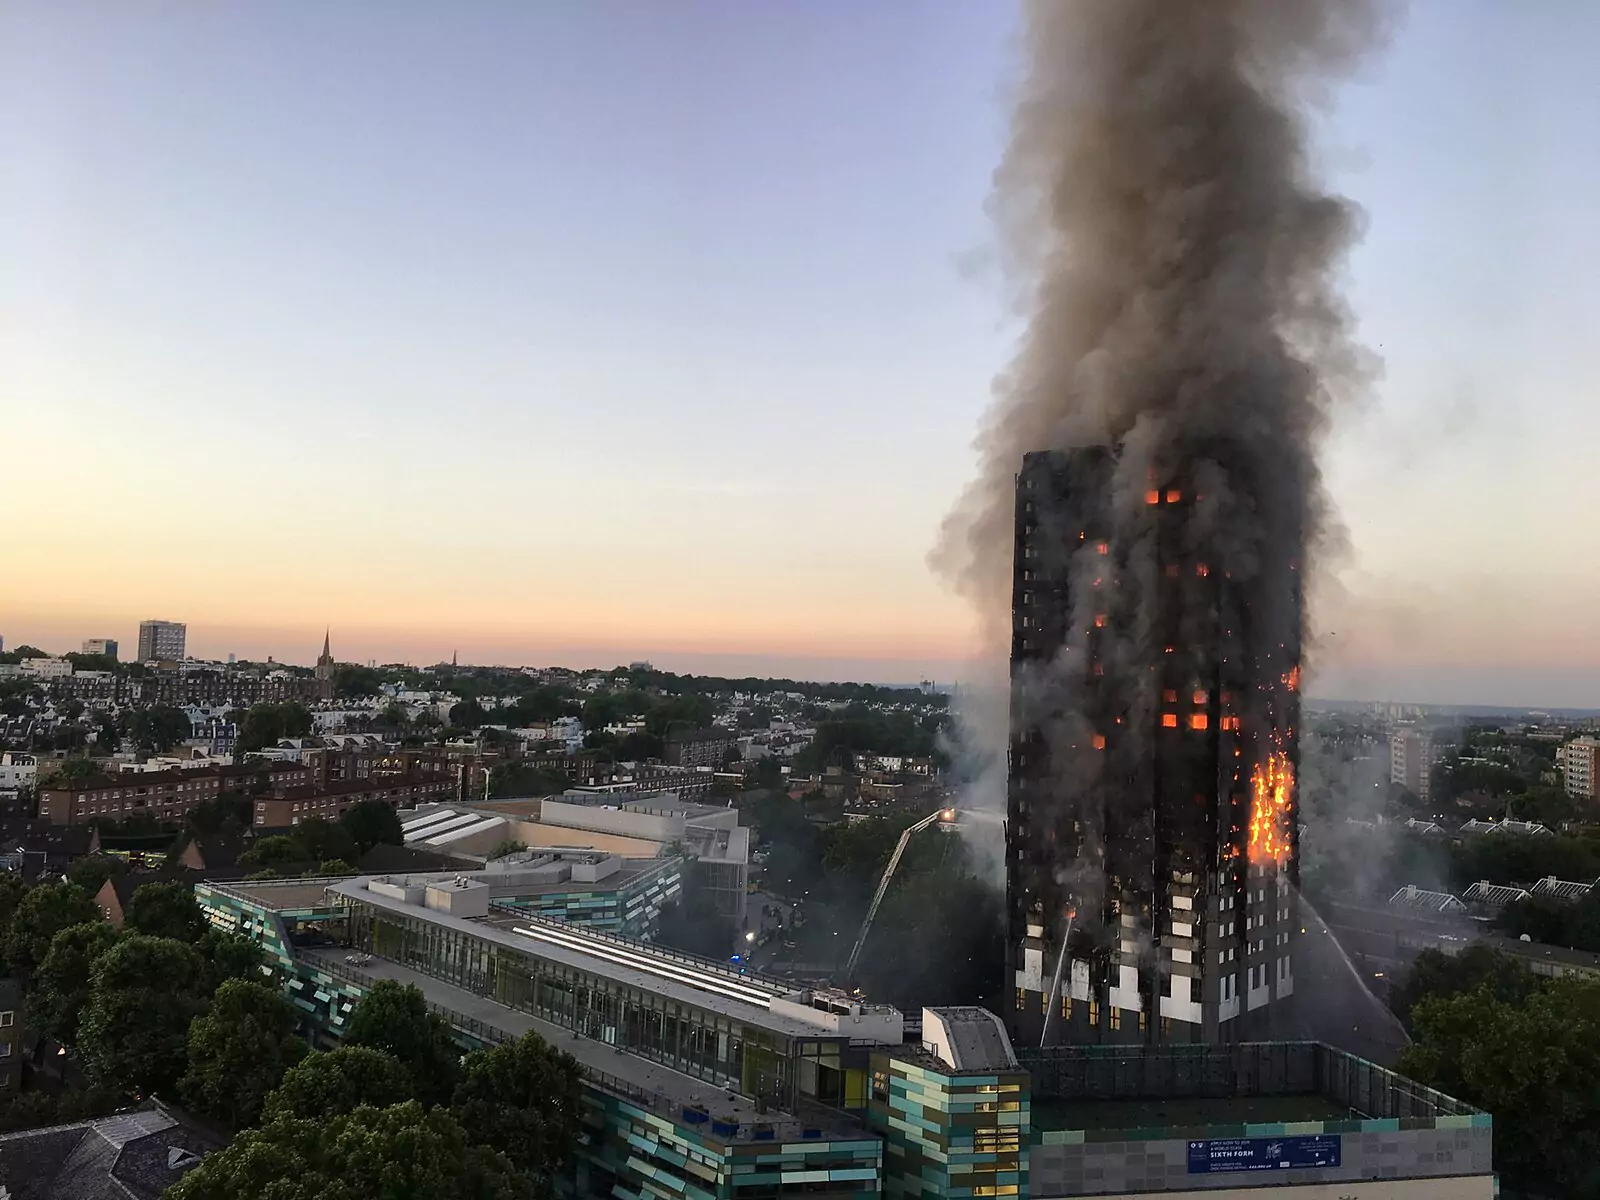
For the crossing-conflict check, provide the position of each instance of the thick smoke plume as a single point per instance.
(1178, 258)
(1178, 261)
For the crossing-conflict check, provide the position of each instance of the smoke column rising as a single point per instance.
(1177, 257)
(1178, 265)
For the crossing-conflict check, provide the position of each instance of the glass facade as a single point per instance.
(694, 1040)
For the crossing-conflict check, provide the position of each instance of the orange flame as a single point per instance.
(1271, 788)
(1292, 679)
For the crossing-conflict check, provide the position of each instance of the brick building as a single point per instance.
(702, 748)
(163, 795)
(332, 800)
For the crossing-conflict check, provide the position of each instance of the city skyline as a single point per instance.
(577, 363)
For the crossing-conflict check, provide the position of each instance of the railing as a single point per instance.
(708, 965)
(1112, 1072)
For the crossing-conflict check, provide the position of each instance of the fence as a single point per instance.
(1241, 1069)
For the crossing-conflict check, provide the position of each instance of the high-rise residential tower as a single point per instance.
(163, 640)
(1151, 837)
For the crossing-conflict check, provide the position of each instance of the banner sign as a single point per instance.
(1263, 1154)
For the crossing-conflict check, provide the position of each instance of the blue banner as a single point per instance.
(1263, 1154)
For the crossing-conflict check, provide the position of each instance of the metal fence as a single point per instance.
(1224, 1071)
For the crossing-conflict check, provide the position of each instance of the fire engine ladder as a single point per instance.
(883, 886)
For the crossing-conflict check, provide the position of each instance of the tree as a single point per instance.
(394, 1018)
(331, 866)
(78, 768)
(351, 681)
(144, 991)
(369, 1154)
(505, 847)
(107, 738)
(43, 912)
(231, 956)
(328, 1085)
(393, 714)
(320, 838)
(60, 987)
(91, 873)
(273, 851)
(239, 1052)
(264, 724)
(158, 729)
(371, 823)
(1532, 1064)
(1436, 974)
(524, 1099)
(166, 910)
(468, 714)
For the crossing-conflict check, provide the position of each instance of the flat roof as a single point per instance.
(280, 895)
(593, 961)
(671, 1089)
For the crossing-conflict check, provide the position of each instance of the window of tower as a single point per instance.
(1198, 721)
(1173, 495)
(1170, 695)
(1152, 497)
(1169, 720)
(1099, 741)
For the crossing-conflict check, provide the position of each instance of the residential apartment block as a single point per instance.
(1580, 770)
(105, 646)
(164, 795)
(163, 641)
(1411, 761)
(290, 806)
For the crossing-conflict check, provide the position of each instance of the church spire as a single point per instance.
(325, 635)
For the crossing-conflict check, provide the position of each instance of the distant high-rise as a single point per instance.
(162, 640)
(1411, 761)
(1151, 842)
(105, 646)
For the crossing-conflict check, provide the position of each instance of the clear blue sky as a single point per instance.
(587, 331)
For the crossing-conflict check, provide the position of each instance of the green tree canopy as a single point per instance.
(77, 768)
(156, 730)
(327, 1085)
(468, 714)
(1434, 973)
(320, 838)
(1533, 1065)
(524, 1099)
(231, 956)
(43, 912)
(133, 1033)
(395, 1019)
(273, 851)
(91, 873)
(239, 1051)
(392, 1153)
(372, 822)
(351, 681)
(60, 987)
(263, 724)
(166, 910)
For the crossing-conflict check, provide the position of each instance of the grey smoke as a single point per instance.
(1176, 256)
(1177, 263)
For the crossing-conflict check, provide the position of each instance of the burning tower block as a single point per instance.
(1151, 833)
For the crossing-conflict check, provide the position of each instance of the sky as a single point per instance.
(584, 333)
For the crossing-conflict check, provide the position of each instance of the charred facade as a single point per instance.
(1151, 833)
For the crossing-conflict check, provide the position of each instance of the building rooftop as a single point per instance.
(139, 1154)
(660, 1088)
(1493, 895)
(693, 981)
(968, 1038)
(1413, 897)
(1563, 889)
